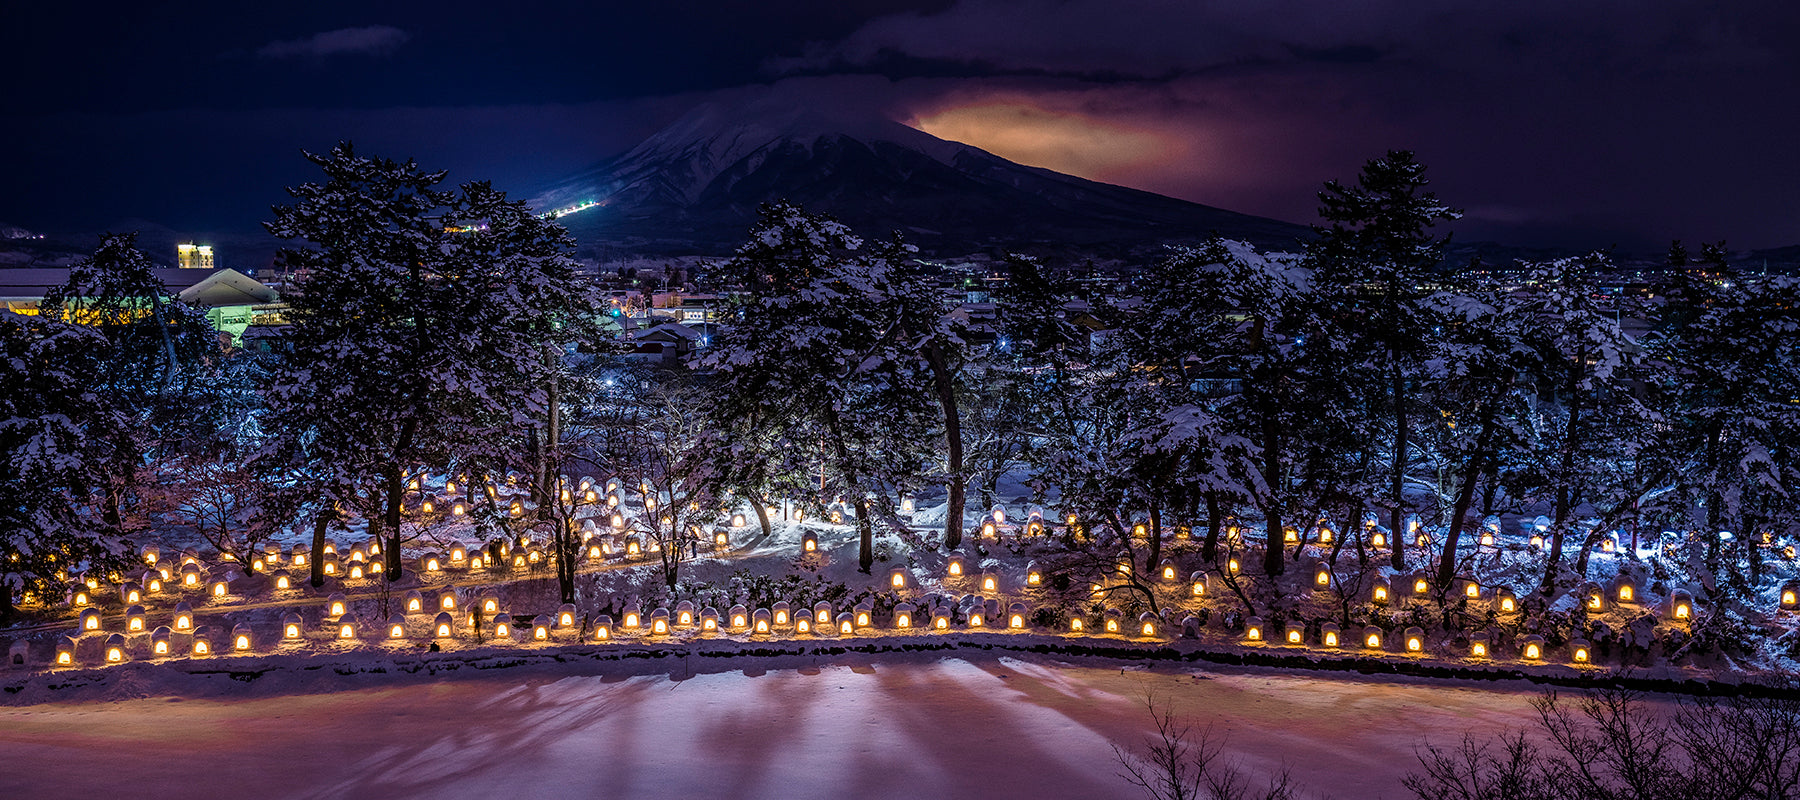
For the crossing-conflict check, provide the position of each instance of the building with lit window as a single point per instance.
(194, 256)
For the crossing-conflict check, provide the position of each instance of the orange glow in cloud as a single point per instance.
(1066, 141)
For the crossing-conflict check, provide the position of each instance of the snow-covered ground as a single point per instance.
(842, 727)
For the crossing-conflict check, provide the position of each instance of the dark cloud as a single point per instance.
(372, 40)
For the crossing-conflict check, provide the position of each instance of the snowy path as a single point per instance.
(846, 728)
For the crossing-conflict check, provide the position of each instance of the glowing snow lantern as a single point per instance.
(443, 626)
(434, 562)
(299, 556)
(503, 627)
(1580, 651)
(131, 593)
(954, 566)
(415, 602)
(1537, 541)
(709, 619)
(396, 626)
(565, 616)
(603, 628)
(115, 648)
(357, 571)
(1149, 624)
(1471, 590)
(940, 619)
(1372, 637)
(151, 553)
(1232, 565)
(1112, 620)
(240, 638)
(1790, 595)
(1296, 636)
(203, 643)
(283, 581)
(634, 618)
(1593, 598)
(447, 600)
(1421, 586)
(1487, 538)
(721, 539)
(990, 581)
(540, 628)
(987, 530)
(1033, 575)
(1290, 536)
(631, 546)
(1328, 634)
(81, 598)
(897, 578)
(190, 575)
(1380, 593)
(65, 651)
(1378, 539)
(1681, 605)
(329, 566)
(90, 620)
(291, 627)
(184, 617)
(1253, 629)
(759, 621)
(809, 542)
(596, 552)
(1415, 640)
(1478, 645)
(1197, 584)
(846, 624)
(739, 617)
(1533, 648)
(1077, 624)
(903, 615)
(1508, 603)
(1168, 571)
(159, 641)
(1322, 577)
(346, 628)
(977, 615)
(1624, 590)
(803, 624)
(780, 612)
(865, 614)
(336, 605)
(134, 619)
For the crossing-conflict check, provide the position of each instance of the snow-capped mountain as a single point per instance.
(695, 187)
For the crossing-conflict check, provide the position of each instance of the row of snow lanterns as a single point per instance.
(1412, 641)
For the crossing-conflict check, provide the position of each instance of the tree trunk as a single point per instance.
(396, 493)
(762, 515)
(1397, 518)
(6, 602)
(1209, 550)
(953, 443)
(865, 528)
(1155, 538)
(320, 524)
(1465, 496)
(1565, 471)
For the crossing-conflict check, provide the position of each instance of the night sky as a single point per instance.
(1552, 123)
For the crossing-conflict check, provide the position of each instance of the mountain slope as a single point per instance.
(696, 185)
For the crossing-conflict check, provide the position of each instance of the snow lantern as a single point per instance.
(903, 616)
(721, 538)
(396, 626)
(603, 628)
(283, 581)
(1322, 577)
(336, 605)
(446, 600)
(1112, 620)
(271, 553)
(977, 614)
(298, 556)
(1329, 634)
(358, 555)
(1077, 624)
(1478, 645)
(90, 620)
(184, 617)
(503, 628)
(659, 622)
(151, 581)
(1149, 624)
(897, 578)
(241, 640)
(1296, 635)
(759, 621)
(80, 597)
(990, 581)
(490, 605)
(1421, 586)
(432, 562)
(203, 641)
(1033, 575)
(1232, 566)
(953, 566)
(632, 548)
(565, 616)
(865, 614)
(346, 628)
(159, 641)
(633, 619)
(540, 628)
(443, 626)
(1197, 583)
(803, 623)
(1380, 593)
(151, 553)
(190, 575)
(415, 602)
(458, 555)
(987, 531)
(940, 618)
(134, 620)
(1681, 605)
(1371, 637)
(1167, 571)
(1581, 651)
(220, 589)
(1253, 629)
(1625, 589)
(739, 618)
(809, 542)
(1506, 601)
(328, 565)
(1790, 595)
(65, 651)
(709, 619)
(1531, 647)
(115, 648)
(1378, 539)
(780, 612)
(1414, 639)
(291, 626)
(130, 593)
